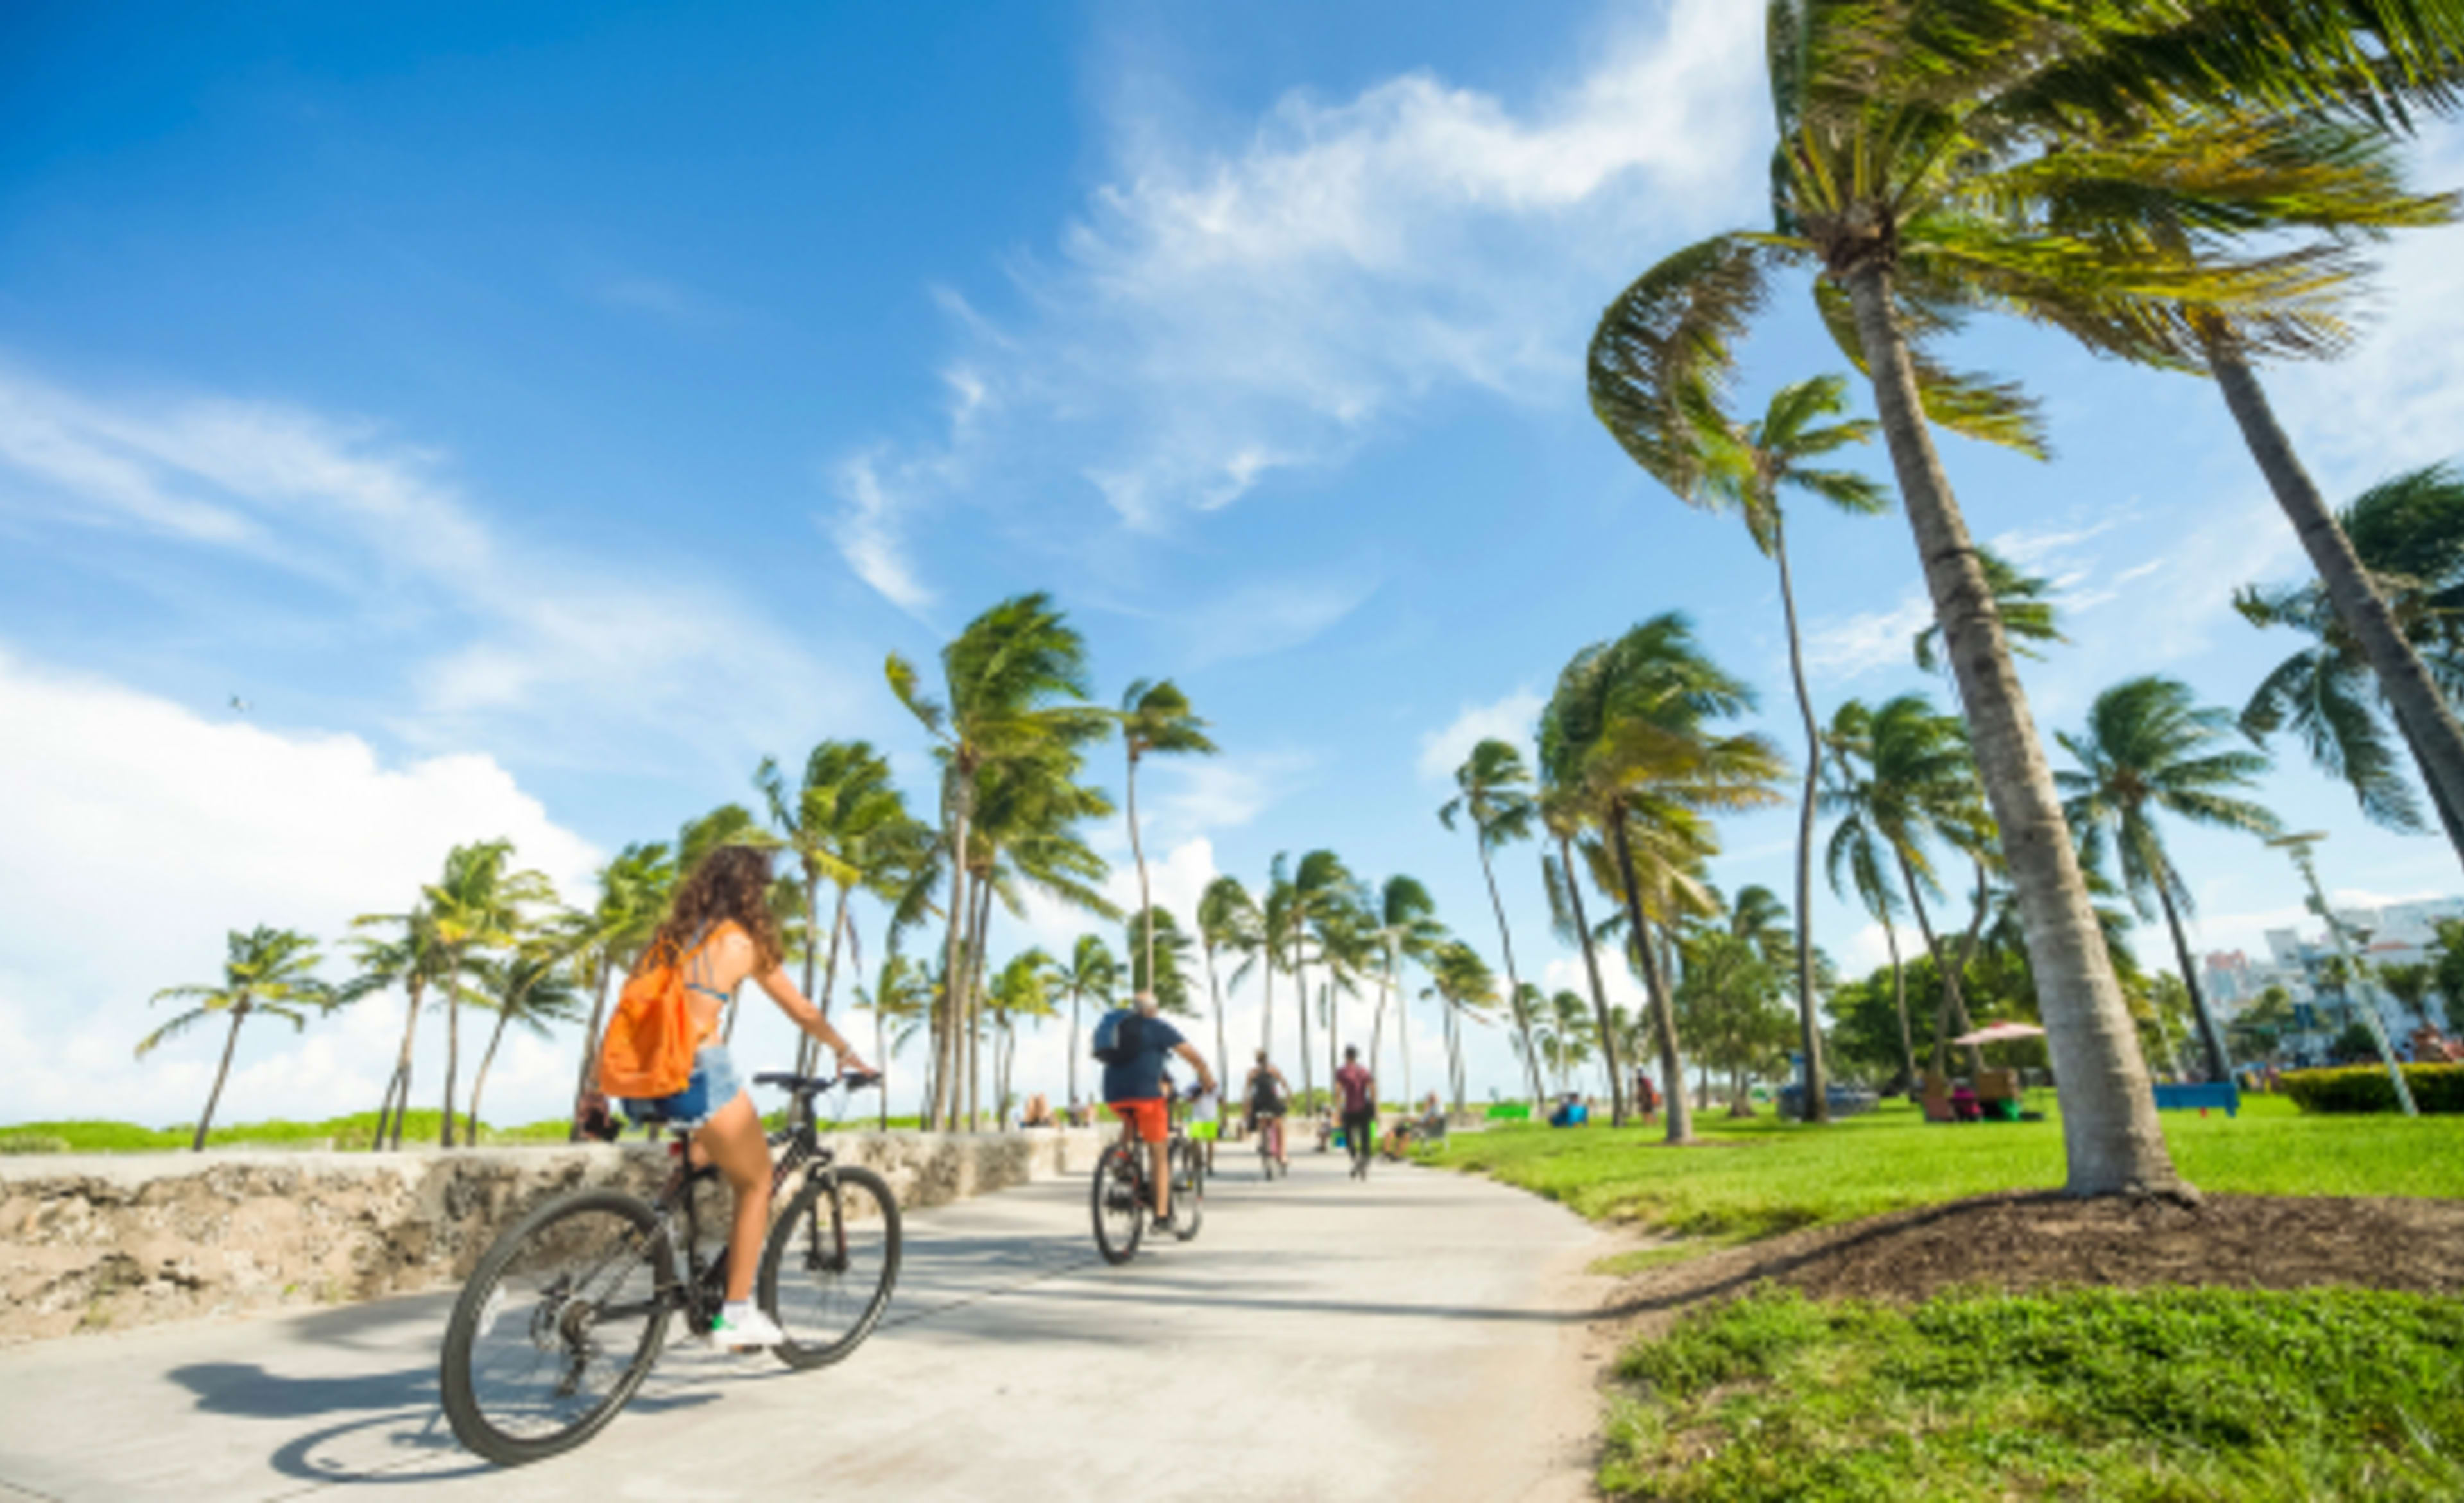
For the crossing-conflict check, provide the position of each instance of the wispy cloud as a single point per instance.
(1268, 616)
(1852, 647)
(1208, 795)
(1510, 719)
(670, 302)
(1220, 313)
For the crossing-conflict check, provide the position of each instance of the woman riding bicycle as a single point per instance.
(1268, 1092)
(722, 926)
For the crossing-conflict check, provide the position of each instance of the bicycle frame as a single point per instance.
(702, 1287)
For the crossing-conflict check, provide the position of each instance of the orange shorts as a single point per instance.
(1153, 1122)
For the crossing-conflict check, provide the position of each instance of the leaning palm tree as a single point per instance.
(900, 1001)
(269, 971)
(2407, 532)
(635, 891)
(1921, 168)
(1494, 792)
(1228, 920)
(477, 904)
(1155, 720)
(413, 961)
(1013, 685)
(1466, 989)
(1320, 881)
(1859, 857)
(1406, 929)
(1154, 932)
(2150, 745)
(1562, 814)
(2025, 602)
(1089, 973)
(1019, 993)
(533, 988)
(1748, 467)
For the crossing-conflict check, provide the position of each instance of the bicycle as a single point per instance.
(1124, 1194)
(1270, 1148)
(564, 1315)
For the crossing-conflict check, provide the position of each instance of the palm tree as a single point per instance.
(1349, 950)
(1155, 720)
(1227, 921)
(1919, 169)
(2148, 746)
(266, 970)
(900, 1001)
(1320, 881)
(1494, 790)
(1861, 856)
(1016, 992)
(1013, 683)
(1627, 736)
(635, 891)
(2409, 533)
(534, 987)
(2025, 602)
(1562, 814)
(476, 905)
(1747, 467)
(1091, 971)
(1464, 987)
(1407, 929)
(413, 961)
(1154, 932)
(847, 822)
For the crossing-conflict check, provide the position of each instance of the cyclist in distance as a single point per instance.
(1269, 1095)
(722, 927)
(1134, 1043)
(1360, 1093)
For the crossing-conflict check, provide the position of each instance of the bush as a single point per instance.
(32, 1143)
(2365, 1088)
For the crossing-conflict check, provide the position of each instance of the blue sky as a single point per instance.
(537, 416)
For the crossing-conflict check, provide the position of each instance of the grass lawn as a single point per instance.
(2166, 1393)
(1765, 1176)
(340, 1132)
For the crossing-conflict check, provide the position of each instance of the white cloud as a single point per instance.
(669, 301)
(1510, 719)
(1202, 795)
(1222, 311)
(138, 833)
(1854, 646)
(1268, 616)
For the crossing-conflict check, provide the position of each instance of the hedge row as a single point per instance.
(2365, 1088)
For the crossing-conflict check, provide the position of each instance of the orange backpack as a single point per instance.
(649, 1050)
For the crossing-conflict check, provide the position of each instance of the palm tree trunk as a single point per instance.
(452, 1037)
(2112, 1141)
(1074, 1047)
(1592, 968)
(1899, 995)
(222, 1074)
(961, 801)
(1816, 1105)
(809, 1048)
(1138, 853)
(1267, 1019)
(2210, 1043)
(1326, 1006)
(1214, 988)
(394, 1088)
(2429, 728)
(974, 1000)
(1454, 1049)
(1952, 1004)
(881, 1053)
(589, 1048)
(1663, 1018)
(479, 1082)
(1403, 1018)
(1300, 989)
(1513, 981)
(398, 1099)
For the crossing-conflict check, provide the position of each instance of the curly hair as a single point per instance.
(732, 884)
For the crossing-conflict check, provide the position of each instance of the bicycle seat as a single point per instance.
(812, 1084)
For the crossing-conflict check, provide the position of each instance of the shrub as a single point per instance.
(32, 1143)
(2365, 1088)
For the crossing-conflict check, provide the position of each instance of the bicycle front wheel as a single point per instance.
(1120, 1205)
(831, 1264)
(556, 1327)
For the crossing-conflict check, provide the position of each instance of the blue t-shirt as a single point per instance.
(1140, 1078)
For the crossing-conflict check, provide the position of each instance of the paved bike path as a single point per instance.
(1421, 1336)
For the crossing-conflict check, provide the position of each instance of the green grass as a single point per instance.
(1765, 1176)
(340, 1132)
(2152, 1394)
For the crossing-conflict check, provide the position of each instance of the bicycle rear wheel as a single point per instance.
(1120, 1205)
(831, 1264)
(1188, 1190)
(556, 1327)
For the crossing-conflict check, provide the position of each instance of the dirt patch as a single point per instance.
(2027, 1240)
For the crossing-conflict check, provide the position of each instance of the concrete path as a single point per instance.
(1423, 1336)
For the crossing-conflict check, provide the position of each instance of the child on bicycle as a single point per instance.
(722, 926)
(1133, 1043)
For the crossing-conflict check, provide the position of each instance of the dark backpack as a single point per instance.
(1120, 1037)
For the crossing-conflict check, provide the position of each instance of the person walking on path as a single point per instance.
(1133, 1043)
(1358, 1088)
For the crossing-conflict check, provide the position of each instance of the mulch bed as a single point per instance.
(2028, 1241)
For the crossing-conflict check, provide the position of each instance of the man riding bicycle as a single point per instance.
(1359, 1091)
(1269, 1095)
(1134, 1043)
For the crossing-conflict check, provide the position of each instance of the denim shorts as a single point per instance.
(715, 1083)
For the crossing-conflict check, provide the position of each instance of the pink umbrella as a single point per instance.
(2001, 1033)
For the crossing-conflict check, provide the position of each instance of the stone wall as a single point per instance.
(96, 1242)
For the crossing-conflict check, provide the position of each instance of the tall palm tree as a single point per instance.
(413, 961)
(1013, 685)
(635, 891)
(1628, 735)
(1155, 720)
(1016, 993)
(900, 1001)
(1091, 971)
(1320, 881)
(1562, 814)
(2407, 532)
(1494, 792)
(1348, 951)
(1860, 856)
(1407, 929)
(1154, 932)
(1227, 921)
(2148, 746)
(1920, 169)
(2025, 602)
(534, 987)
(269, 971)
(1748, 468)
(477, 904)
(847, 822)
(1465, 987)
(1275, 915)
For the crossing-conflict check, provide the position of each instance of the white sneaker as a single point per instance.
(745, 1331)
